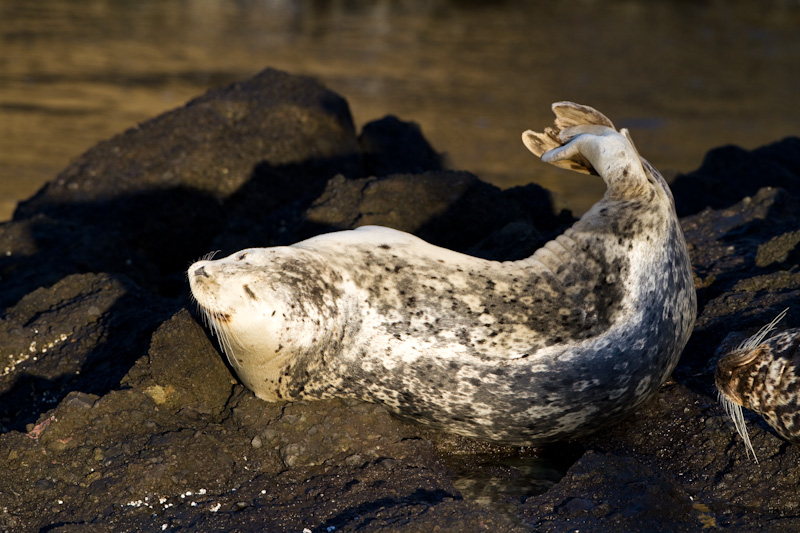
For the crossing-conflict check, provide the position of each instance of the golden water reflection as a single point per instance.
(684, 76)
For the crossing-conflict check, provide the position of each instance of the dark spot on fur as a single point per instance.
(221, 317)
(250, 293)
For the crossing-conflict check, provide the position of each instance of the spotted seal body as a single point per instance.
(546, 348)
(763, 374)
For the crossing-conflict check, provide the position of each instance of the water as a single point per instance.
(505, 482)
(684, 76)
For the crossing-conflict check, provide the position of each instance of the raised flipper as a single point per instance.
(569, 115)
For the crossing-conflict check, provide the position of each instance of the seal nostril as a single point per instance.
(201, 272)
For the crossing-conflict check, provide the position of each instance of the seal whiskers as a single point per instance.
(217, 323)
(551, 347)
(217, 320)
(761, 374)
(758, 338)
(734, 410)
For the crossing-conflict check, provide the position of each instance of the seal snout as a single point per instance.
(201, 272)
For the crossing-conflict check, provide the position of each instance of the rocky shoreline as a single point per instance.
(118, 413)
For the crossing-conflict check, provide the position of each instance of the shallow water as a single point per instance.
(504, 482)
(684, 76)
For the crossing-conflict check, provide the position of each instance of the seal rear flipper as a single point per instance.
(568, 115)
(609, 153)
(541, 143)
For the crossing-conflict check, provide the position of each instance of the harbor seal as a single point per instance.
(551, 347)
(763, 374)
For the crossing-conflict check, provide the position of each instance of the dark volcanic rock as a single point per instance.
(451, 209)
(644, 499)
(730, 173)
(213, 144)
(392, 146)
(83, 333)
(447, 208)
(180, 444)
(744, 276)
(162, 191)
(119, 414)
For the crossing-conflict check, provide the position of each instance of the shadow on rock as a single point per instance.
(148, 201)
(744, 275)
(83, 333)
(393, 146)
(182, 441)
(452, 209)
(730, 173)
(146, 236)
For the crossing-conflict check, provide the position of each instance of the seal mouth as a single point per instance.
(734, 410)
(218, 322)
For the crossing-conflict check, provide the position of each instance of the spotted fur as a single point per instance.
(762, 374)
(546, 348)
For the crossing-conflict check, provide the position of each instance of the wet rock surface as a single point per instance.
(119, 414)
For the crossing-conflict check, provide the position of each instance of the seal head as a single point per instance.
(251, 300)
(550, 347)
(763, 374)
